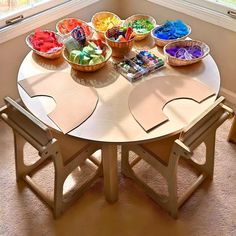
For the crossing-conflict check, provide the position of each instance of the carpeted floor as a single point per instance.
(210, 211)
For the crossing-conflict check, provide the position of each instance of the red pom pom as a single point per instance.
(44, 41)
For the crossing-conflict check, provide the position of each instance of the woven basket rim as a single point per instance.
(184, 41)
(169, 40)
(103, 12)
(70, 18)
(82, 65)
(29, 44)
(148, 16)
(105, 35)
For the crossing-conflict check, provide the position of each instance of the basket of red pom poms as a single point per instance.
(45, 43)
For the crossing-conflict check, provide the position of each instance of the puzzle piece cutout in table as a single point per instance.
(74, 102)
(148, 98)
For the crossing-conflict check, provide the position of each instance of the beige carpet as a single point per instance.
(210, 211)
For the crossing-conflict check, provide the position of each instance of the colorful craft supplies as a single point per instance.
(142, 26)
(71, 44)
(45, 41)
(186, 53)
(106, 23)
(102, 21)
(142, 63)
(65, 26)
(120, 34)
(121, 40)
(81, 51)
(171, 30)
(90, 54)
(148, 60)
(79, 35)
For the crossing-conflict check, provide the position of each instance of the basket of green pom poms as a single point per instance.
(141, 25)
(85, 55)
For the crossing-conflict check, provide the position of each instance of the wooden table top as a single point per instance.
(112, 121)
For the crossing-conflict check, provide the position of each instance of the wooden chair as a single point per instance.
(164, 155)
(232, 132)
(66, 153)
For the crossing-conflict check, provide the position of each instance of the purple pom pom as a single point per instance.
(79, 35)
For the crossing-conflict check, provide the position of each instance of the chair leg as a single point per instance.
(21, 169)
(19, 144)
(208, 167)
(170, 203)
(58, 196)
(125, 167)
(59, 180)
(173, 203)
(60, 202)
(232, 133)
(172, 186)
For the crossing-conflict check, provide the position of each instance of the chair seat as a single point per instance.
(164, 156)
(160, 149)
(27, 125)
(66, 153)
(70, 147)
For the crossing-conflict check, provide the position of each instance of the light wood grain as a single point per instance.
(74, 102)
(112, 118)
(112, 122)
(232, 133)
(151, 96)
(27, 128)
(109, 156)
(164, 156)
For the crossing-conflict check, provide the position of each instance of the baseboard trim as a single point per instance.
(229, 95)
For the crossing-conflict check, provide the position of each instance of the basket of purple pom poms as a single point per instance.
(185, 52)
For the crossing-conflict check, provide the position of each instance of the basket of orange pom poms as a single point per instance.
(65, 26)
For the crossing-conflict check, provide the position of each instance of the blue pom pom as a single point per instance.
(172, 30)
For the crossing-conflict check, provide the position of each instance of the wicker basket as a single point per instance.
(132, 18)
(80, 22)
(161, 42)
(89, 68)
(99, 16)
(51, 55)
(181, 62)
(120, 49)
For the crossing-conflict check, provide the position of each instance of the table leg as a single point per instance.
(110, 172)
(232, 133)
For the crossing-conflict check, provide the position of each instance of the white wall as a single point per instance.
(13, 51)
(221, 41)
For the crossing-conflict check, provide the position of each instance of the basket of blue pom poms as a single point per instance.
(170, 31)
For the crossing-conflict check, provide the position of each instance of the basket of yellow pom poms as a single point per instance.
(102, 21)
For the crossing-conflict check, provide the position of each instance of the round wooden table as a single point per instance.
(112, 123)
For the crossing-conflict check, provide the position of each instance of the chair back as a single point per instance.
(25, 124)
(205, 124)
